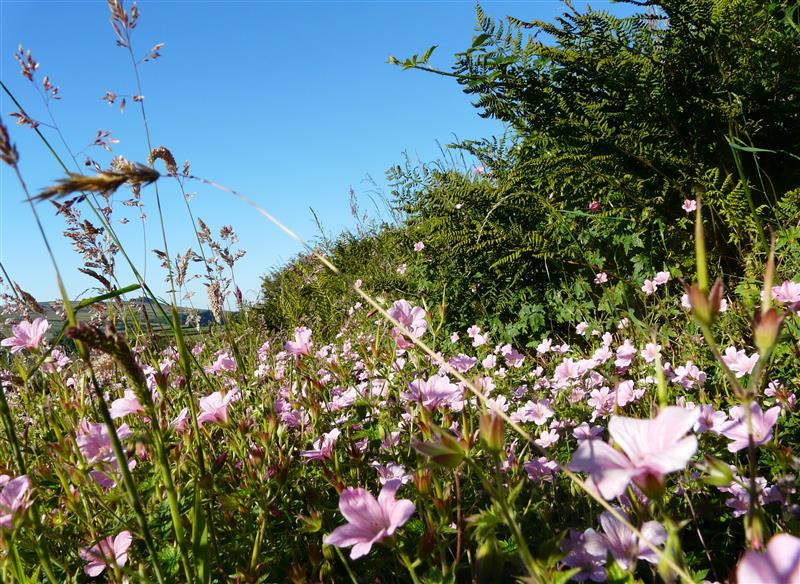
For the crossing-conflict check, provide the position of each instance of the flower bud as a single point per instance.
(766, 327)
(705, 307)
(719, 473)
(492, 432)
(422, 481)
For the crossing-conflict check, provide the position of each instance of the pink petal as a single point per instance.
(360, 508)
(593, 456)
(347, 535)
(674, 458)
(360, 549)
(400, 513)
(121, 544)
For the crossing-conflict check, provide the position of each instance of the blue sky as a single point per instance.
(291, 103)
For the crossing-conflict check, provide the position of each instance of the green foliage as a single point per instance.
(304, 292)
(613, 122)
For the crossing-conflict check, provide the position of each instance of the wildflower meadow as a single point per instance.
(567, 353)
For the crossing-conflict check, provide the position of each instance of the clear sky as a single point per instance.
(291, 103)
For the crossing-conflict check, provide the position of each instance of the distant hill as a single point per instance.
(134, 305)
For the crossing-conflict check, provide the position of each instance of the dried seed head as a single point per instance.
(163, 153)
(8, 152)
(29, 300)
(103, 182)
(215, 301)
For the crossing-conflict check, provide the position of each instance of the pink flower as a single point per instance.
(600, 278)
(302, 342)
(391, 472)
(650, 449)
(419, 246)
(536, 412)
(690, 205)
(594, 206)
(26, 335)
(224, 362)
(368, 520)
(788, 292)
(780, 564)
(94, 444)
(739, 362)
(181, 421)
(546, 439)
(541, 469)
(462, 363)
(14, 498)
(544, 346)
(586, 432)
(107, 551)
(649, 287)
(763, 422)
(214, 407)
(624, 545)
(125, 405)
(323, 446)
(412, 318)
(651, 352)
(401, 269)
(662, 278)
(435, 392)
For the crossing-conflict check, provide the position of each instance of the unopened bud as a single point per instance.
(719, 473)
(492, 432)
(705, 307)
(422, 481)
(766, 327)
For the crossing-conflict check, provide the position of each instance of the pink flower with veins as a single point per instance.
(736, 430)
(26, 335)
(546, 438)
(419, 246)
(787, 293)
(391, 472)
(649, 287)
(779, 564)
(739, 362)
(412, 318)
(690, 205)
(109, 551)
(624, 545)
(369, 521)
(301, 344)
(14, 498)
(650, 449)
(214, 407)
(437, 391)
(600, 278)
